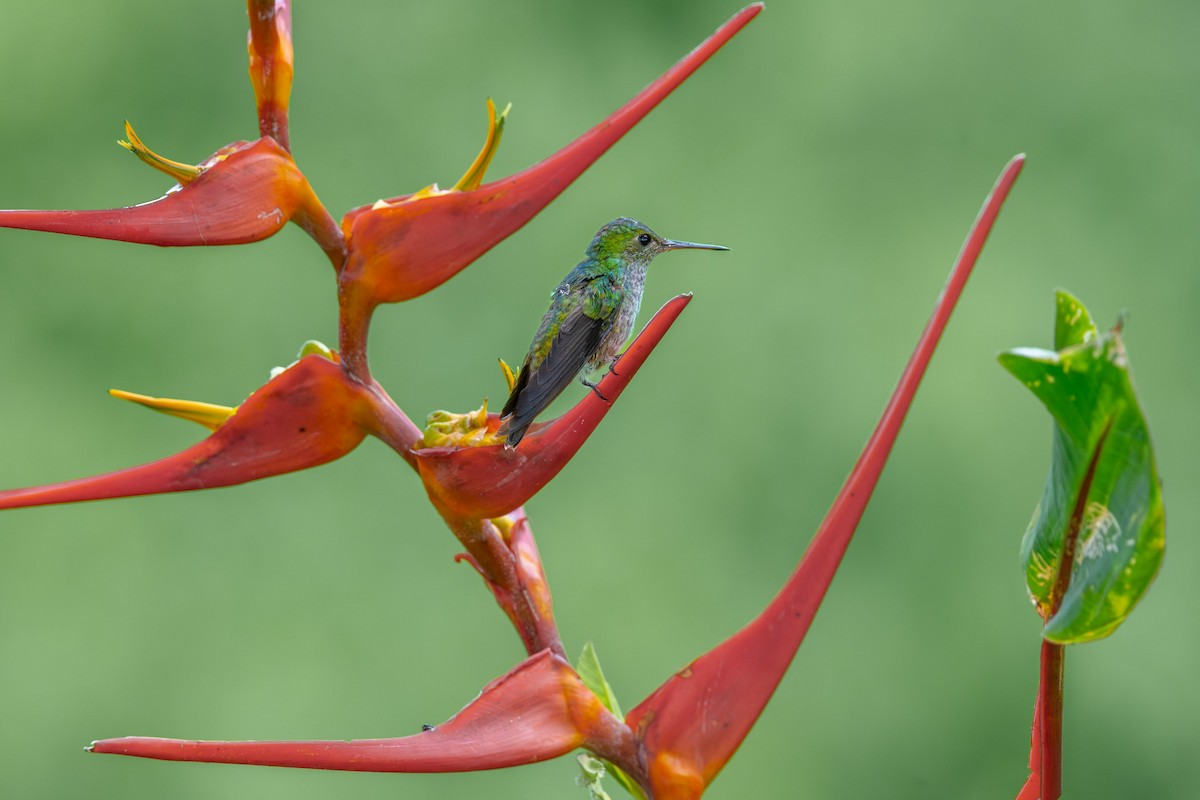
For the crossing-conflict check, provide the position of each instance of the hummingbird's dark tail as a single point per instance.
(512, 424)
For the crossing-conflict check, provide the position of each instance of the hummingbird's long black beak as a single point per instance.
(671, 244)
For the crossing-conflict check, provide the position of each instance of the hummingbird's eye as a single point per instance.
(644, 239)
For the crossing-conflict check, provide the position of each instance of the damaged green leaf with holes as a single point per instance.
(1097, 536)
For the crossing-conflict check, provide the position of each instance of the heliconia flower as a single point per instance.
(692, 724)
(244, 192)
(406, 246)
(676, 741)
(309, 414)
(483, 482)
(271, 58)
(538, 710)
(472, 429)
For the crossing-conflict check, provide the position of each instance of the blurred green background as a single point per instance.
(842, 150)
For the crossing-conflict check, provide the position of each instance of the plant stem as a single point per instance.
(1048, 735)
(354, 321)
(497, 565)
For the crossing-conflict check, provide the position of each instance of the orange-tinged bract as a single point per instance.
(538, 710)
(310, 414)
(400, 250)
(490, 481)
(245, 192)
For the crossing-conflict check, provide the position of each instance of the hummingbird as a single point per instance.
(590, 318)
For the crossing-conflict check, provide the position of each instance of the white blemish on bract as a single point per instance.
(277, 213)
(1101, 533)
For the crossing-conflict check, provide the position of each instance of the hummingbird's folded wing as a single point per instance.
(538, 385)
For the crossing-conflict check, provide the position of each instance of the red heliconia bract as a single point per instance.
(692, 724)
(538, 710)
(244, 193)
(403, 248)
(487, 482)
(308, 415)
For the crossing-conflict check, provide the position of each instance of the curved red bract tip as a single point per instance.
(489, 482)
(401, 251)
(307, 415)
(538, 710)
(246, 196)
(692, 724)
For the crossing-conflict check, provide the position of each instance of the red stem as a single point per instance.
(497, 564)
(354, 322)
(1048, 735)
(265, 49)
(393, 427)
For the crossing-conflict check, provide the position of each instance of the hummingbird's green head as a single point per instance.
(632, 241)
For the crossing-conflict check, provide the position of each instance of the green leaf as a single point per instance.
(593, 678)
(592, 770)
(1102, 505)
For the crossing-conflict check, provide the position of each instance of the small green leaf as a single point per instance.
(1102, 503)
(592, 770)
(593, 678)
(1072, 322)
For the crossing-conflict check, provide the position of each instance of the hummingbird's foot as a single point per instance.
(612, 365)
(593, 387)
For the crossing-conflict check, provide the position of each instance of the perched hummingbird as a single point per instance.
(591, 316)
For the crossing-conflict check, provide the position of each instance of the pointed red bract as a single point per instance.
(693, 723)
(400, 251)
(310, 414)
(537, 711)
(489, 482)
(248, 191)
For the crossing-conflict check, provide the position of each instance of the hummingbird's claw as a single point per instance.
(594, 388)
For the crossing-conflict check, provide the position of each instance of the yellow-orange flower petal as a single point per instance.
(510, 377)
(184, 173)
(474, 175)
(207, 414)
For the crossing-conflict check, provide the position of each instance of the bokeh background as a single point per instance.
(841, 149)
